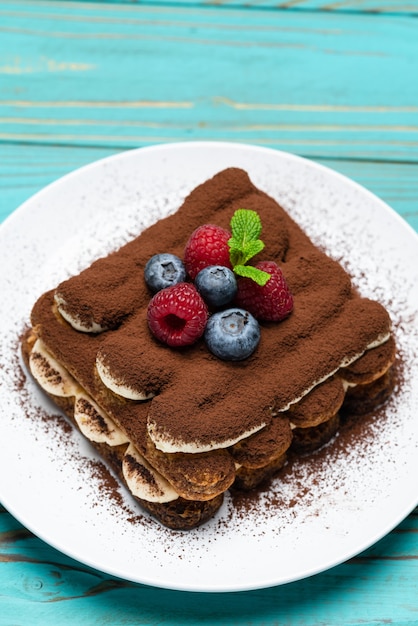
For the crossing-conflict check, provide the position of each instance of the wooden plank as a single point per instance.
(356, 6)
(51, 588)
(313, 83)
(395, 183)
(24, 170)
(367, 6)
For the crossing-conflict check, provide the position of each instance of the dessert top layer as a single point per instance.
(198, 402)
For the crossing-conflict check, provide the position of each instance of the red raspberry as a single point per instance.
(270, 303)
(207, 245)
(177, 315)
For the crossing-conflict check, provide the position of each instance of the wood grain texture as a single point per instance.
(342, 6)
(333, 81)
(26, 169)
(317, 83)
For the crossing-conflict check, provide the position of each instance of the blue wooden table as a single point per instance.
(336, 82)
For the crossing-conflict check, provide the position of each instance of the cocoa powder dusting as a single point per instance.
(50, 373)
(355, 437)
(97, 422)
(199, 398)
(58, 433)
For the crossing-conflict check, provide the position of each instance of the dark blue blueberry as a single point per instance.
(232, 335)
(217, 285)
(164, 270)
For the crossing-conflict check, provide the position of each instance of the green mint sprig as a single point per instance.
(245, 244)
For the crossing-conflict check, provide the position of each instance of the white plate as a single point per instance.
(320, 516)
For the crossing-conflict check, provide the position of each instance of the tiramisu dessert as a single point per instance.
(202, 354)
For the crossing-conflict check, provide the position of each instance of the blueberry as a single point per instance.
(232, 335)
(163, 270)
(216, 284)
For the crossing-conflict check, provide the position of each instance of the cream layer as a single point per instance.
(344, 363)
(162, 443)
(143, 481)
(119, 387)
(165, 445)
(161, 440)
(75, 321)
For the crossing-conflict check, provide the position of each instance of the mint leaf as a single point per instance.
(242, 256)
(245, 242)
(248, 271)
(246, 226)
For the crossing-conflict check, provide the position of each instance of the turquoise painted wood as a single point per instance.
(356, 6)
(334, 81)
(122, 75)
(45, 587)
(26, 169)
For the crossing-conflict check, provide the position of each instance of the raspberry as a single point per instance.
(271, 303)
(177, 315)
(207, 245)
